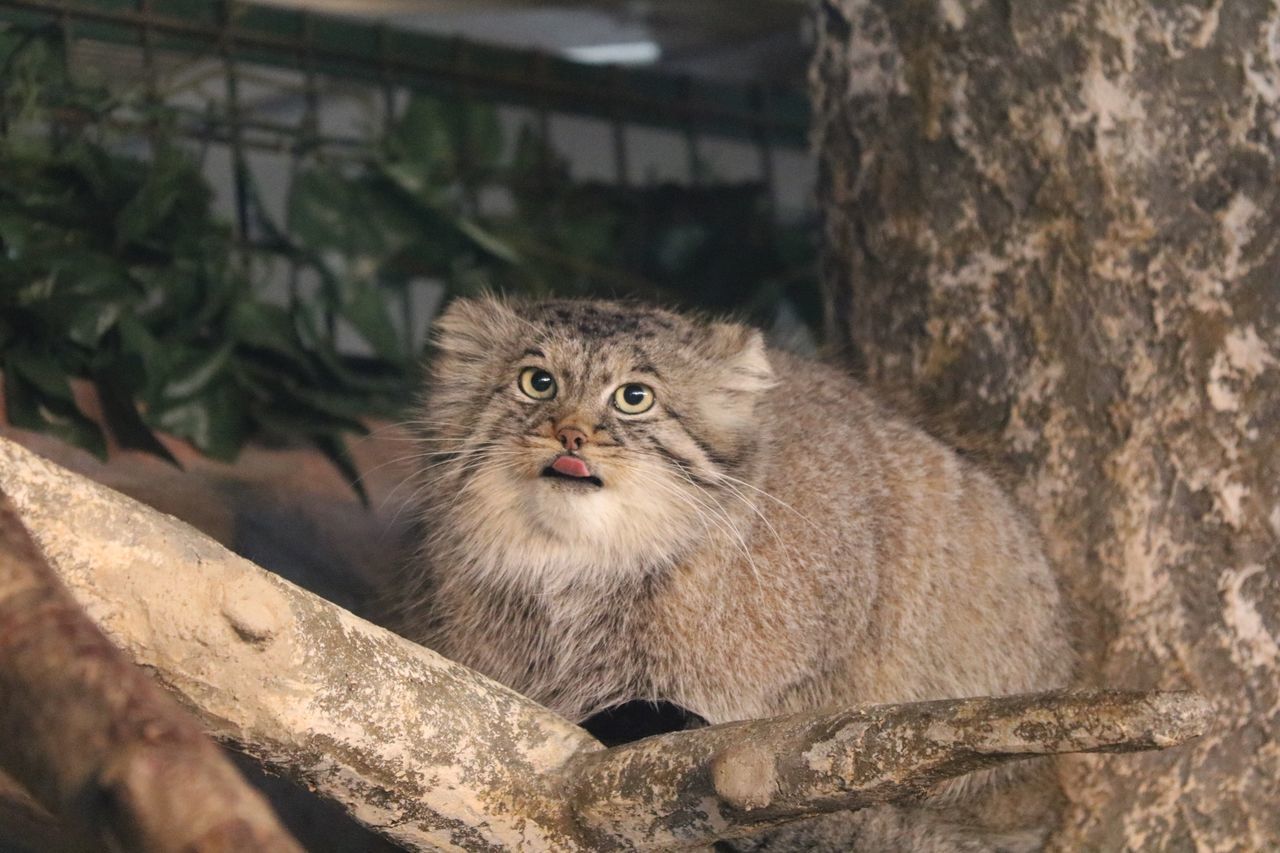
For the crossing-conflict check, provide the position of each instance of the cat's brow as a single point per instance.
(534, 351)
(647, 368)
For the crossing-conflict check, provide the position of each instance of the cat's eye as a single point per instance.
(633, 398)
(537, 383)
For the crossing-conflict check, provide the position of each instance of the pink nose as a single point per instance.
(571, 438)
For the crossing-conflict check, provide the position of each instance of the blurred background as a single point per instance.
(244, 217)
(225, 229)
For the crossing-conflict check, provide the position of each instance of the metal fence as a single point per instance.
(266, 62)
(260, 91)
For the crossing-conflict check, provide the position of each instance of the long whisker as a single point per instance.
(723, 476)
(707, 510)
(468, 458)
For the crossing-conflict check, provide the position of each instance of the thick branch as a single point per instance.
(23, 821)
(423, 750)
(432, 754)
(765, 772)
(96, 740)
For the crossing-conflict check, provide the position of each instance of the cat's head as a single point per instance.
(565, 438)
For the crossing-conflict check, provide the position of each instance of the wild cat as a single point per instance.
(622, 502)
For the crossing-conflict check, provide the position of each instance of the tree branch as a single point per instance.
(95, 740)
(432, 754)
(418, 748)
(766, 772)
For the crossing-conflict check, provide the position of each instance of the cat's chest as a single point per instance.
(575, 652)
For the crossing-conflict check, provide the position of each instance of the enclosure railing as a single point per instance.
(312, 134)
(311, 44)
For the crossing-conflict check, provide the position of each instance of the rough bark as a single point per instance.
(1060, 222)
(95, 740)
(424, 751)
(765, 772)
(434, 755)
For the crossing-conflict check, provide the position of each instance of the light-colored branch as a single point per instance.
(427, 752)
(95, 740)
(766, 772)
(434, 755)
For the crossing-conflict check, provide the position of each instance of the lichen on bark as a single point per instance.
(1060, 223)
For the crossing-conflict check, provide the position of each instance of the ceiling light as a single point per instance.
(621, 53)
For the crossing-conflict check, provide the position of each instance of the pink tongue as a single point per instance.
(571, 466)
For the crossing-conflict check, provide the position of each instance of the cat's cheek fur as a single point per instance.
(524, 529)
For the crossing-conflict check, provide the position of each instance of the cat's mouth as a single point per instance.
(571, 469)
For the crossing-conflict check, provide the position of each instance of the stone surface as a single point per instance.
(1060, 223)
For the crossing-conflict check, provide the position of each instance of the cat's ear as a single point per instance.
(470, 329)
(738, 371)
(741, 352)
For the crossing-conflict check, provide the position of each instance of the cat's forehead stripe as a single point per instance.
(602, 321)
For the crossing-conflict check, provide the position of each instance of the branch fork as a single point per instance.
(434, 755)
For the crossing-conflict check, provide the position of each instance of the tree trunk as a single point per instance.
(1061, 223)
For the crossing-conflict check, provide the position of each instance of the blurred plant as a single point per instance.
(114, 270)
(418, 205)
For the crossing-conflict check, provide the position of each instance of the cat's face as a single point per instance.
(574, 438)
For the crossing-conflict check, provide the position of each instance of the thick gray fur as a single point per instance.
(767, 539)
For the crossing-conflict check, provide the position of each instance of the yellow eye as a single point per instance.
(537, 383)
(633, 398)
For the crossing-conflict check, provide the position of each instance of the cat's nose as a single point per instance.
(571, 438)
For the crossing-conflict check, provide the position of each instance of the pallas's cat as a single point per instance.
(622, 503)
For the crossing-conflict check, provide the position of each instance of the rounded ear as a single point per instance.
(470, 327)
(745, 359)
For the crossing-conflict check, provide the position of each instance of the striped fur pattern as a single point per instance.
(765, 539)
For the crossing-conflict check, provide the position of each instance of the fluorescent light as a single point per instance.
(622, 53)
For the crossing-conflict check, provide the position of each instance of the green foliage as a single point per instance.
(114, 270)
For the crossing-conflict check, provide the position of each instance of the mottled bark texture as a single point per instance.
(1060, 222)
(426, 752)
(766, 772)
(96, 741)
(434, 755)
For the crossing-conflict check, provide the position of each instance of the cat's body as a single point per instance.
(763, 539)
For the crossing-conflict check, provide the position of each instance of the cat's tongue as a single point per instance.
(570, 466)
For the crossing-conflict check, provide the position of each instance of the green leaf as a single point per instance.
(194, 370)
(168, 205)
(88, 323)
(290, 413)
(144, 213)
(268, 327)
(213, 421)
(28, 407)
(365, 308)
(15, 233)
(120, 411)
(488, 242)
(423, 135)
(480, 135)
(335, 450)
(142, 363)
(328, 213)
(42, 373)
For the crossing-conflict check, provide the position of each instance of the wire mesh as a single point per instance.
(261, 92)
